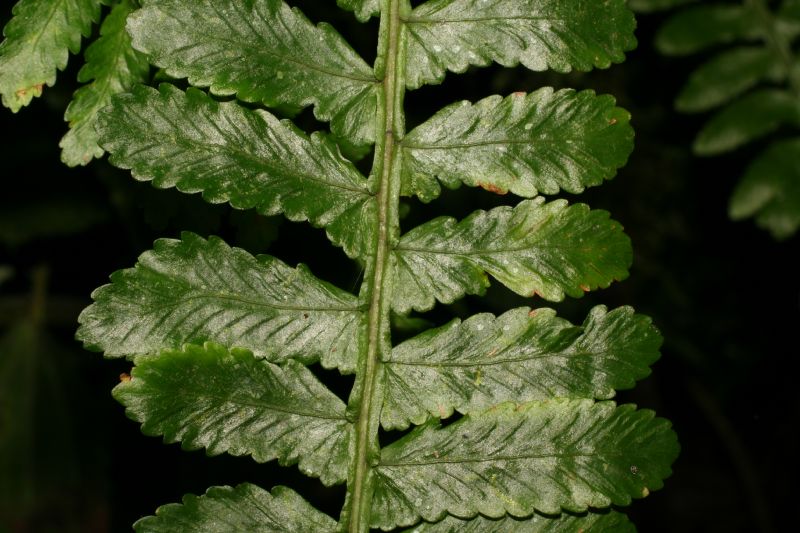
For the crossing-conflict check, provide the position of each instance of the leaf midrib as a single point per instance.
(538, 140)
(415, 20)
(47, 21)
(521, 457)
(402, 248)
(207, 294)
(495, 362)
(266, 168)
(193, 397)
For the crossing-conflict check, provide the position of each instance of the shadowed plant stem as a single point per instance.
(777, 41)
(377, 282)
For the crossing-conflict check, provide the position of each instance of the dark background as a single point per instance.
(725, 296)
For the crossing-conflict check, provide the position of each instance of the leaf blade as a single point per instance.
(726, 76)
(280, 59)
(611, 522)
(747, 119)
(112, 66)
(770, 190)
(451, 35)
(560, 455)
(37, 44)
(699, 27)
(247, 158)
(243, 508)
(520, 356)
(533, 249)
(194, 290)
(231, 402)
(542, 142)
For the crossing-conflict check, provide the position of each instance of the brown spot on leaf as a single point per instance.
(305, 315)
(519, 93)
(36, 89)
(491, 187)
(492, 353)
(534, 293)
(612, 122)
(436, 453)
(124, 377)
(442, 412)
(532, 313)
(585, 288)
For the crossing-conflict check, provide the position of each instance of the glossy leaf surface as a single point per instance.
(221, 338)
(112, 66)
(247, 158)
(526, 144)
(244, 508)
(230, 401)
(533, 249)
(38, 41)
(261, 51)
(540, 34)
(770, 190)
(520, 458)
(747, 119)
(520, 356)
(193, 290)
(727, 76)
(611, 522)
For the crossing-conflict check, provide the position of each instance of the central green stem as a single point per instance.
(365, 399)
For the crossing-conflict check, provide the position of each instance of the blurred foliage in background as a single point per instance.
(749, 78)
(724, 294)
